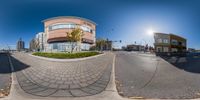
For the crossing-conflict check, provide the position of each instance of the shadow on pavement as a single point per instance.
(189, 63)
(5, 65)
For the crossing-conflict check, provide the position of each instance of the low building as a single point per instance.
(134, 47)
(197, 51)
(169, 44)
(20, 45)
(191, 50)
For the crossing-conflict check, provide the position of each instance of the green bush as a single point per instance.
(66, 55)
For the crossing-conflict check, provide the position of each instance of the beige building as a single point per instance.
(169, 43)
(55, 30)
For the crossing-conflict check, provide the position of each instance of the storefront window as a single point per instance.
(55, 46)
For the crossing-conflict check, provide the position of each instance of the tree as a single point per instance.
(100, 43)
(74, 37)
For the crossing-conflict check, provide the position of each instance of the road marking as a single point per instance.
(136, 97)
(12, 77)
(154, 74)
(112, 85)
(113, 75)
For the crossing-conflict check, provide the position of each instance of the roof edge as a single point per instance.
(178, 36)
(69, 17)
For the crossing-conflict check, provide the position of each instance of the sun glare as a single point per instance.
(150, 32)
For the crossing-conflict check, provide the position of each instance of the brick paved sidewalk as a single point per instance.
(62, 79)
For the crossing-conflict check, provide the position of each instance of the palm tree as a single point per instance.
(74, 37)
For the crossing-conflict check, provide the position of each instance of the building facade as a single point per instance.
(169, 43)
(54, 38)
(20, 45)
(40, 40)
(134, 47)
(32, 45)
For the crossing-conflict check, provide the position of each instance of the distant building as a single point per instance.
(38, 43)
(169, 43)
(103, 44)
(33, 45)
(123, 48)
(197, 50)
(108, 45)
(20, 45)
(40, 40)
(191, 50)
(134, 47)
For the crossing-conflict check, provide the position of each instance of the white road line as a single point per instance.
(12, 76)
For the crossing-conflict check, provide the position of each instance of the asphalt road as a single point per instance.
(5, 74)
(148, 76)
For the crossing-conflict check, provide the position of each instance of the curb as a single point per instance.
(12, 78)
(66, 60)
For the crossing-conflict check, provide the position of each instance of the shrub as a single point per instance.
(66, 55)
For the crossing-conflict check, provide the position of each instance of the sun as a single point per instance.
(150, 31)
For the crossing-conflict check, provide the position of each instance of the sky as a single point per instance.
(125, 20)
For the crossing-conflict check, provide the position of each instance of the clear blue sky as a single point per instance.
(126, 20)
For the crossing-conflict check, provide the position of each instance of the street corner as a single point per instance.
(64, 79)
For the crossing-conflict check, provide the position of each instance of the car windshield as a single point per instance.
(99, 49)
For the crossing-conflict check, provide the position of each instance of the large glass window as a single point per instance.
(70, 26)
(85, 46)
(86, 28)
(55, 46)
(60, 26)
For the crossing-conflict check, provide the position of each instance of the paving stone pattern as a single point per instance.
(61, 79)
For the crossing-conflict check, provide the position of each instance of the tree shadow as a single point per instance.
(5, 66)
(189, 63)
